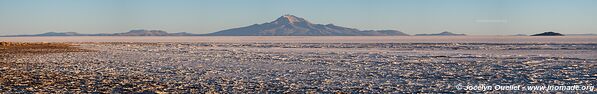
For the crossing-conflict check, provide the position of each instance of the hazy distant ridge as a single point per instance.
(139, 32)
(446, 33)
(143, 32)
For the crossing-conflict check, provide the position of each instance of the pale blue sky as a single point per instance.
(476, 17)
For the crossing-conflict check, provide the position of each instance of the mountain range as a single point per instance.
(287, 25)
(142, 32)
(139, 32)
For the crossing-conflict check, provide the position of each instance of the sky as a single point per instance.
(474, 17)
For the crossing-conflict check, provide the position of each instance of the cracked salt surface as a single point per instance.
(187, 67)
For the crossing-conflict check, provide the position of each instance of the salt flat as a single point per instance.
(314, 39)
(380, 64)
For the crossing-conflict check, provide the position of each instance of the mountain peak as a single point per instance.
(290, 25)
(290, 19)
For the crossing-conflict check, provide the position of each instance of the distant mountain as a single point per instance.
(290, 25)
(143, 32)
(140, 32)
(59, 34)
(183, 34)
(548, 34)
(520, 35)
(445, 33)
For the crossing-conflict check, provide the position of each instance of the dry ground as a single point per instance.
(12, 49)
